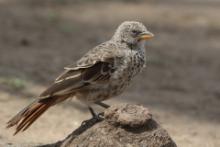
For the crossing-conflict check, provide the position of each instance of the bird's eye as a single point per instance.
(136, 32)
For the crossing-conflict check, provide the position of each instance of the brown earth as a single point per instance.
(181, 84)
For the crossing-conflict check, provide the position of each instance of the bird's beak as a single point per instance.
(145, 36)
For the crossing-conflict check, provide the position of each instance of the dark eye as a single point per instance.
(136, 32)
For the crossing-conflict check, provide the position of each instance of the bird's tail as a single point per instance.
(25, 118)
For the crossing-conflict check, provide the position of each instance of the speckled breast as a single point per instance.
(129, 70)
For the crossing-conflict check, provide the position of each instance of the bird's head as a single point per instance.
(132, 32)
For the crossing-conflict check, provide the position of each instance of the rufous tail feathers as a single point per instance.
(25, 118)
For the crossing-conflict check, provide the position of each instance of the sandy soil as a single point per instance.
(181, 84)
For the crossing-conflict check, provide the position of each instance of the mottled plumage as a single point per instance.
(102, 73)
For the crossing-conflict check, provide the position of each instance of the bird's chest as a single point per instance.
(135, 65)
(126, 70)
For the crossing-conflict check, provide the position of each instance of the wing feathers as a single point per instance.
(72, 80)
(62, 87)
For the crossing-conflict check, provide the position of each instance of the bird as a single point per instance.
(102, 73)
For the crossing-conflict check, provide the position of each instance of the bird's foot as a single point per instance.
(96, 118)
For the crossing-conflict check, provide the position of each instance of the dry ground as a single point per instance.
(181, 84)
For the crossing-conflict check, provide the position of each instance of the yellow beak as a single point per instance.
(145, 36)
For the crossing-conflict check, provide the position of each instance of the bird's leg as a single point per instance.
(92, 112)
(102, 104)
(95, 117)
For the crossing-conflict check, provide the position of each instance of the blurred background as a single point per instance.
(181, 84)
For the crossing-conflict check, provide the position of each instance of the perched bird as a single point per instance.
(103, 72)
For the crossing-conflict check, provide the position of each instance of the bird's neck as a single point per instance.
(140, 47)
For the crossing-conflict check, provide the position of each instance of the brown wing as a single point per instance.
(100, 72)
(95, 66)
(72, 80)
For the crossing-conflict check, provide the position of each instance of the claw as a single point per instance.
(93, 120)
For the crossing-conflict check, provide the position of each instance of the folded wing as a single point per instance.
(94, 67)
